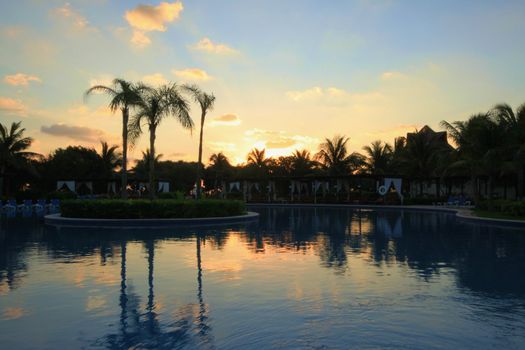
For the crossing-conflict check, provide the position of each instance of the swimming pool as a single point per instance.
(299, 278)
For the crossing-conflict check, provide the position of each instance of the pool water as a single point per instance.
(300, 278)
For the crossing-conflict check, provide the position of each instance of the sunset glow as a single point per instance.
(286, 74)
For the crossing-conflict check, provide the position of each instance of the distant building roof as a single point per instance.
(431, 135)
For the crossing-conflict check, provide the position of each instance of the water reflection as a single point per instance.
(486, 262)
(145, 330)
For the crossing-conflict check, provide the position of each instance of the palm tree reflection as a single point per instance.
(146, 330)
(204, 329)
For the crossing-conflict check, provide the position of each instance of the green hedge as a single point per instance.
(507, 207)
(171, 195)
(148, 209)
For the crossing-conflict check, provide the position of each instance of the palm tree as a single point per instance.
(155, 106)
(479, 150)
(513, 125)
(219, 161)
(206, 102)
(220, 165)
(379, 157)
(258, 158)
(301, 162)
(13, 146)
(110, 158)
(124, 95)
(146, 159)
(141, 168)
(334, 156)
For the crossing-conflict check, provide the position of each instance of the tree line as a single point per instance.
(489, 145)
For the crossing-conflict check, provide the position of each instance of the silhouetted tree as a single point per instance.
(13, 150)
(206, 102)
(334, 158)
(155, 106)
(124, 95)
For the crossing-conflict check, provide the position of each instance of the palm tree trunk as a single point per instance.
(124, 170)
(152, 189)
(199, 165)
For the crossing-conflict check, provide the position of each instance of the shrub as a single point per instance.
(62, 195)
(424, 200)
(507, 207)
(148, 209)
(171, 195)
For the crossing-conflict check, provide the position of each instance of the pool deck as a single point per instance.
(463, 213)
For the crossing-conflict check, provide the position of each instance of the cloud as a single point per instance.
(12, 106)
(84, 111)
(206, 45)
(140, 40)
(12, 32)
(279, 142)
(226, 119)
(192, 74)
(147, 18)
(392, 75)
(20, 79)
(155, 79)
(79, 133)
(74, 18)
(315, 93)
(153, 18)
(284, 143)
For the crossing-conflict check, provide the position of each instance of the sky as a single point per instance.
(286, 74)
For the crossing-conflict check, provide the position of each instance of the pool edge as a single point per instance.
(58, 220)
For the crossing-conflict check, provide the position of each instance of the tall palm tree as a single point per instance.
(513, 125)
(258, 158)
(123, 95)
(13, 146)
(334, 157)
(379, 156)
(156, 105)
(206, 102)
(110, 158)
